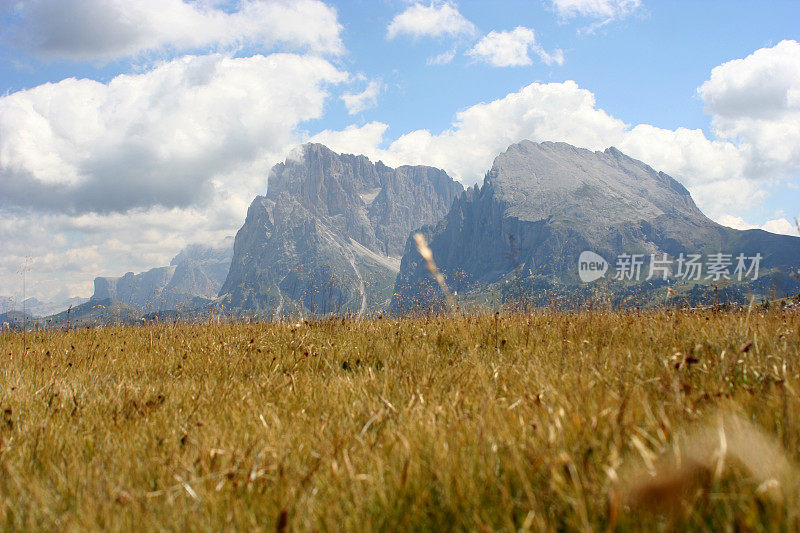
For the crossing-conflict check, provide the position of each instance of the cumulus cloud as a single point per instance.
(109, 29)
(555, 111)
(716, 171)
(756, 101)
(511, 49)
(778, 225)
(353, 139)
(602, 11)
(366, 99)
(223, 122)
(69, 251)
(432, 20)
(105, 178)
(162, 137)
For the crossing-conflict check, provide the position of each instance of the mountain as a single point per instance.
(90, 313)
(38, 308)
(193, 278)
(543, 204)
(329, 233)
(100, 312)
(16, 320)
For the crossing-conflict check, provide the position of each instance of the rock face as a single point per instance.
(193, 277)
(328, 235)
(542, 204)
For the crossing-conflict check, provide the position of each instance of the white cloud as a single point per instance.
(103, 178)
(715, 171)
(778, 225)
(603, 11)
(555, 111)
(432, 20)
(69, 251)
(366, 99)
(733, 221)
(510, 49)
(109, 29)
(158, 138)
(353, 139)
(174, 155)
(756, 102)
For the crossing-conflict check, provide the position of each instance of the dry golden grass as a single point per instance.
(587, 421)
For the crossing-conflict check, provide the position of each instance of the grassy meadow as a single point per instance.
(594, 421)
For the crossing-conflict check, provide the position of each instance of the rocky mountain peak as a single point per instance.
(329, 232)
(543, 204)
(557, 181)
(193, 277)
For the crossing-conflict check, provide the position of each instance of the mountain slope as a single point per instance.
(93, 313)
(543, 204)
(328, 235)
(16, 320)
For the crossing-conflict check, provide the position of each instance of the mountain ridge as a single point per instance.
(542, 204)
(193, 278)
(328, 234)
(332, 234)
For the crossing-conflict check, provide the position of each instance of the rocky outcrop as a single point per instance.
(328, 235)
(542, 204)
(143, 291)
(193, 278)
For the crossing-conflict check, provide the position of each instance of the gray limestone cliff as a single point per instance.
(542, 204)
(328, 235)
(193, 278)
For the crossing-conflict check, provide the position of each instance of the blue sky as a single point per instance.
(179, 108)
(643, 69)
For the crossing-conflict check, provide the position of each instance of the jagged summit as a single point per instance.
(193, 278)
(543, 204)
(328, 234)
(536, 181)
(370, 199)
